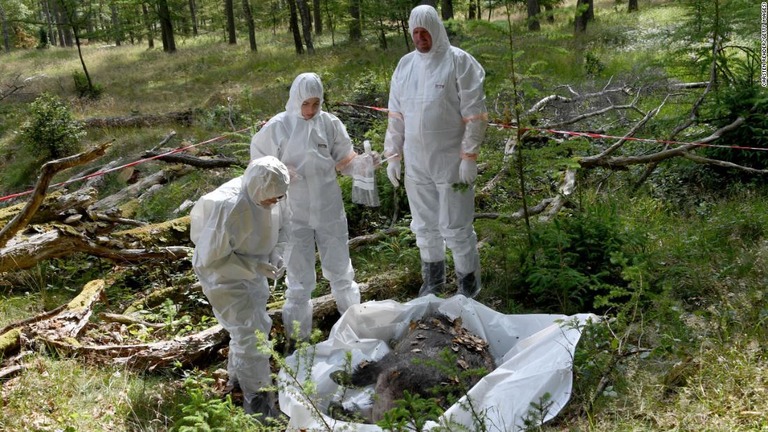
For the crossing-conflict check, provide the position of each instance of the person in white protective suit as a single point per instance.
(314, 144)
(240, 231)
(437, 121)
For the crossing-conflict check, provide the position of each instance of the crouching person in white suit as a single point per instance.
(239, 231)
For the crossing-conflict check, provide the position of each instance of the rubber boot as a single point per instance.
(233, 385)
(469, 285)
(433, 274)
(260, 404)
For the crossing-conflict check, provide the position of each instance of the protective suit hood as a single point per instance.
(426, 16)
(305, 86)
(265, 178)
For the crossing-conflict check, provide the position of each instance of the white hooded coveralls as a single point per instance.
(437, 117)
(313, 150)
(233, 234)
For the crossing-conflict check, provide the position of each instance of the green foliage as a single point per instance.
(411, 413)
(537, 413)
(51, 131)
(751, 103)
(42, 35)
(592, 64)
(84, 88)
(571, 261)
(205, 412)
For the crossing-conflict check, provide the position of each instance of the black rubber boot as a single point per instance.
(261, 405)
(433, 274)
(469, 285)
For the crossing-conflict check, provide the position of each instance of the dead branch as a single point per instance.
(10, 371)
(9, 88)
(565, 190)
(180, 117)
(632, 106)
(95, 216)
(128, 320)
(48, 171)
(199, 162)
(39, 317)
(618, 144)
(538, 208)
(622, 162)
(359, 241)
(509, 150)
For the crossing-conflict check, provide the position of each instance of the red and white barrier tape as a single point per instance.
(596, 135)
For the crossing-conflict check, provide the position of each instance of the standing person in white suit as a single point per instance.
(314, 145)
(437, 121)
(239, 231)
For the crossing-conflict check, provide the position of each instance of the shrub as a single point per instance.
(51, 132)
(572, 262)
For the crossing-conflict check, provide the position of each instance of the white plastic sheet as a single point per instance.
(533, 354)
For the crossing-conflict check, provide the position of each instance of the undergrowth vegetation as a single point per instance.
(677, 265)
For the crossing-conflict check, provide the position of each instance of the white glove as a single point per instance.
(376, 157)
(267, 270)
(393, 172)
(276, 259)
(467, 171)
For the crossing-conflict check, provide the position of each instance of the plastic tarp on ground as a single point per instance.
(533, 353)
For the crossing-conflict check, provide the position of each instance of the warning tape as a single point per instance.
(130, 164)
(594, 135)
(648, 140)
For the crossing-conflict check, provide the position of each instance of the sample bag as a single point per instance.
(364, 179)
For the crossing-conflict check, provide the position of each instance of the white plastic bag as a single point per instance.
(534, 354)
(364, 179)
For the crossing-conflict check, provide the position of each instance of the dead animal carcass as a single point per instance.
(417, 364)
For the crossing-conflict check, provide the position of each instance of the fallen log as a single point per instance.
(60, 331)
(63, 241)
(195, 161)
(136, 189)
(48, 170)
(180, 117)
(55, 207)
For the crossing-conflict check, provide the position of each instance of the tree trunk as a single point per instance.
(318, 17)
(331, 23)
(251, 25)
(306, 24)
(533, 15)
(355, 24)
(382, 34)
(229, 10)
(148, 23)
(117, 29)
(446, 9)
(632, 6)
(193, 16)
(46, 11)
(6, 38)
(584, 13)
(166, 26)
(550, 13)
(65, 33)
(294, 22)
